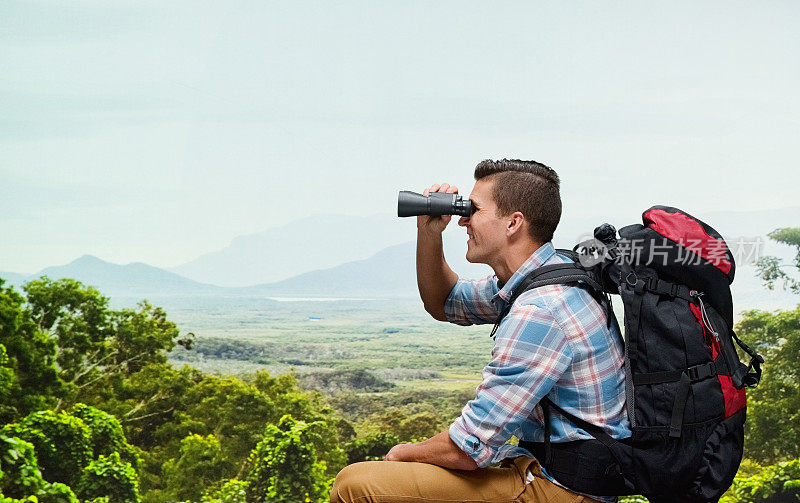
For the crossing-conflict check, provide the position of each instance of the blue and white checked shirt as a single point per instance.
(554, 342)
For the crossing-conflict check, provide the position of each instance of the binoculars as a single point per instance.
(411, 204)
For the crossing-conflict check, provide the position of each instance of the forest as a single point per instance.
(100, 404)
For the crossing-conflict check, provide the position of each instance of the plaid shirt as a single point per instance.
(554, 342)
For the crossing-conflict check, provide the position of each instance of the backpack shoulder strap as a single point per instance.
(554, 274)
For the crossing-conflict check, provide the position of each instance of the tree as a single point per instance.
(233, 411)
(21, 480)
(19, 470)
(29, 355)
(105, 434)
(371, 448)
(48, 454)
(96, 346)
(63, 347)
(62, 444)
(9, 385)
(109, 477)
(201, 465)
(773, 418)
(232, 491)
(419, 427)
(77, 318)
(773, 424)
(309, 407)
(777, 483)
(284, 465)
(771, 268)
(159, 406)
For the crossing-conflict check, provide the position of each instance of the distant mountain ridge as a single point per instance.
(390, 271)
(311, 243)
(124, 280)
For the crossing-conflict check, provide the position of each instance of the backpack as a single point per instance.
(685, 384)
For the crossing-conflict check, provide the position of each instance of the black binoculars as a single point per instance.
(411, 204)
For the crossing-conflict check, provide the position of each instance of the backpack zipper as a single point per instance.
(723, 348)
(704, 315)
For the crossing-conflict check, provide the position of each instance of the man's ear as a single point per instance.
(516, 223)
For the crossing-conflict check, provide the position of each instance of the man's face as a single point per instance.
(486, 230)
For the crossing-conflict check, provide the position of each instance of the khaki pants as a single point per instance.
(402, 482)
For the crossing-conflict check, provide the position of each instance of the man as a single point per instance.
(554, 342)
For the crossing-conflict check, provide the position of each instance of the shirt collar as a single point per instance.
(536, 260)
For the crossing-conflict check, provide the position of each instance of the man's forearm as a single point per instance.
(435, 279)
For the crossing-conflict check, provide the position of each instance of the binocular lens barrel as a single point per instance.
(411, 204)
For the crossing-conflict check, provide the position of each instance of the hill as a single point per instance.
(135, 279)
(316, 242)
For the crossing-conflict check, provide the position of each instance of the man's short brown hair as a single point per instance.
(529, 187)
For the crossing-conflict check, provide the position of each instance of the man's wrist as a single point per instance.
(430, 235)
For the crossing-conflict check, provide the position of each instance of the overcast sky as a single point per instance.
(157, 131)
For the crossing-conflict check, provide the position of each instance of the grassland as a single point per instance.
(394, 339)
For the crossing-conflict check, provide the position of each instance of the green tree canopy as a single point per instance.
(284, 465)
(771, 269)
(29, 355)
(9, 385)
(778, 483)
(201, 466)
(62, 443)
(96, 346)
(109, 477)
(773, 417)
(55, 462)
(105, 434)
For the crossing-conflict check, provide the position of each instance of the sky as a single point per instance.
(158, 131)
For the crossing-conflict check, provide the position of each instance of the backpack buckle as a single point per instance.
(700, 372)
(634, 282)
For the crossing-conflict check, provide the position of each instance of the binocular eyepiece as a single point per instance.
(411, 204)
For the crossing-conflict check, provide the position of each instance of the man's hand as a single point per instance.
(396, 453)
(438, 450)
(435, 224)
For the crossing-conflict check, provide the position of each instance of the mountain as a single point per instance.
(316, 242)
(325, 241)
(135, 279)
(390, 272)
(320, 242)
(331, 256)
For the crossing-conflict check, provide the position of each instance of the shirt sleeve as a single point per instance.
(530, 355)
(470, 302)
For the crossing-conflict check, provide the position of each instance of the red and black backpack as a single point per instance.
(685, 384)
